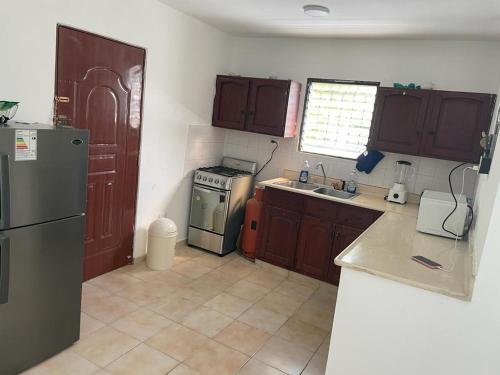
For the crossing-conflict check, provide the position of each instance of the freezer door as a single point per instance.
(49, 188)
(40, 308)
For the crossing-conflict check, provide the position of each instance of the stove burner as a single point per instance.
(224, 171)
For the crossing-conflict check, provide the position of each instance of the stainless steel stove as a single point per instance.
(218, 202)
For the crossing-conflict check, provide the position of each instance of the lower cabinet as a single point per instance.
(344, 236)
(314, 247)
(279, 239)
(300, 235)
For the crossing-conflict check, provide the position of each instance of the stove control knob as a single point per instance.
(205, 178)
(210, 179)
(216, 181)
(222, 182)
(198, 177)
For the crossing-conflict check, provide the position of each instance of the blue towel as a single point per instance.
(368, 160)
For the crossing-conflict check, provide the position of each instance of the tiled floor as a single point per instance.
(208, 315)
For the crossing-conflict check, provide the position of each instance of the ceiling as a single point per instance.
(407, 19)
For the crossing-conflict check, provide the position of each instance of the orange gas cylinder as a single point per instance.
(251, 226)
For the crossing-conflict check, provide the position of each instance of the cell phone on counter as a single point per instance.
(426, 262)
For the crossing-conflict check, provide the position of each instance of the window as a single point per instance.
(337, 117)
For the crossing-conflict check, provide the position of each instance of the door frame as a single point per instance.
(130, 256)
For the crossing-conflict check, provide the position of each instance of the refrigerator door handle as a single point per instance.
(4, 269)
(4, 192)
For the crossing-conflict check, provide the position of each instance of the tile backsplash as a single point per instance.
(205, 147)
(430, 173)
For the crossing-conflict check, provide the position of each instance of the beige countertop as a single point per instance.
(386, 247)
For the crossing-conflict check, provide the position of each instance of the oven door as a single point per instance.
(209, 208)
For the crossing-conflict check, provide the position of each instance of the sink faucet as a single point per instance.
(318, 166)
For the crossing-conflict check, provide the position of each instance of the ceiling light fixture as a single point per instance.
(316, 10)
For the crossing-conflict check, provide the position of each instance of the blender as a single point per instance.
(402, 172)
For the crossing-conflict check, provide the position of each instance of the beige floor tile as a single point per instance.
(207, 321)
(203, 289)
(304, 280)
(172, 279)
(216, 359)
(146, 292)
(316, 366)
(255, 367)
(65, 363)
(141, 324)
(300, 333)
(183, 370)
(89, 325)
(114, 281)
(173, 307)
(185, 252)
(284, 355)
(212, 260)
(295, 290)
(101, 372)
(248, 291)
(104, 346)
(242, 337)
(271, 267)
(216, 280)
(140, 271)
(197, 293)
(142, 360)
(228, 305)
(264, 319)
(316, 314)
(324, 349)
(280, 303)
(191, 268)
(108, 308)
(265, 278)
(90, 292)
(177, 341)
(325, 298)
(238, 268)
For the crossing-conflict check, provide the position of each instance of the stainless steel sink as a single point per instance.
(334, 193)
(297, 185)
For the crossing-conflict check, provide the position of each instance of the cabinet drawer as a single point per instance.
(321, 208)
(283, 199)
(356, 216)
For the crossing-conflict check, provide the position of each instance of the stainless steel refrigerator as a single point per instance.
(43, 174)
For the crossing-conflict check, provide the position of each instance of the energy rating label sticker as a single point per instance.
(26, 142)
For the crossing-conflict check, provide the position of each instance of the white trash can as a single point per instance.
(162, 236)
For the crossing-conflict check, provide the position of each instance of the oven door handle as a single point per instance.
(208, 189)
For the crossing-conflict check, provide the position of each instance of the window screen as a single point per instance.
(337, 117)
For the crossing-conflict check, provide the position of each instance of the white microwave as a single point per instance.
(435, 206)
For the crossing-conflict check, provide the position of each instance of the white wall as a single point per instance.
(450, 65)
(183, 57)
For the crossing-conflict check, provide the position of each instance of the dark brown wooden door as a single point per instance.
(314, 247)
(267, 106)
(99, 85)
(344, 236)
(230, 103)
(455, 124)
(398, 120)
(279, 239)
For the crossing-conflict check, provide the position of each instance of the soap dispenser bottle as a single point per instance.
(304, 173)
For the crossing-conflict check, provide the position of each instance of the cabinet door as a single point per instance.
(230, 102)
(344, 236)
(280, 236)
(398, 120)
(314, 247)
(267, 106)
(456, 122)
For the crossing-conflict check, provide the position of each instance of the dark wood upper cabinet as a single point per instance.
(455, 125)
(344, 236)
(230, 102)
(314, 247)
(399, 120)
(279, 239)
(432, 123)
(265, 106)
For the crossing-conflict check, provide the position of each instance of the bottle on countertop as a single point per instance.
(304, 173)
(352, 183)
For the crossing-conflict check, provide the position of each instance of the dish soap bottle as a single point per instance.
(352, 184)
(304, 173)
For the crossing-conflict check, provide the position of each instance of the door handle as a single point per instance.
(4, 192)
(4, 269)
